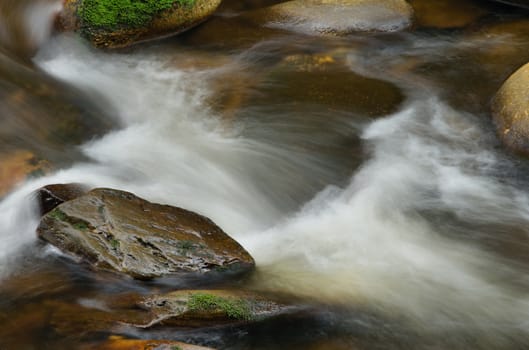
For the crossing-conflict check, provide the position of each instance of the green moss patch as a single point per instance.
(82, 226)
(58, 215)
(123, 13)
(238, 309)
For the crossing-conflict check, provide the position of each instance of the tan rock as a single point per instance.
(510, 110)
(341, 16)
(181, 16)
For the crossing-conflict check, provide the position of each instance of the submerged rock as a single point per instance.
(184, 308)
(341, 16)
(119, 343)
(202, 308)
(44, 116)
(121, 23)
(325, 80)
(510, 110)
(446, 13)
(115, 230)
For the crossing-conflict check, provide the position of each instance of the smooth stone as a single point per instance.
(140, 25)
(118, 231)
(340, 16)
(510, 110)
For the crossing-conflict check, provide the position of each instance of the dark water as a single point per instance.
(362, 172)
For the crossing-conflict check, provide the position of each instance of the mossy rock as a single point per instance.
(121, 23)
(510, 110)
(203, 308)
(117, 231)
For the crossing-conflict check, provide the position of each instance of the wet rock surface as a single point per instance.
(121, 23)
(340, 16)
(115, 230)
(510, 109)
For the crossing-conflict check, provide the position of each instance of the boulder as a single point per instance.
(117, 231)
(340, 16)
(510, 110)
(121, 23)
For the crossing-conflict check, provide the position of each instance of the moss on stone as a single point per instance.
(81, 225)
(58, 215)
(123, 13)
(238, 309)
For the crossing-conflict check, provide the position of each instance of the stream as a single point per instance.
(362, 173)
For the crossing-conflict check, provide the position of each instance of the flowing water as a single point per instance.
(383, 199)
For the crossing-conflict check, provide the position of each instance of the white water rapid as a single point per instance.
(374, 242)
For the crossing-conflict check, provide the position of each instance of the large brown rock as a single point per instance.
(341, 16)
(510, 110)
(115, 230)
(118, 23)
